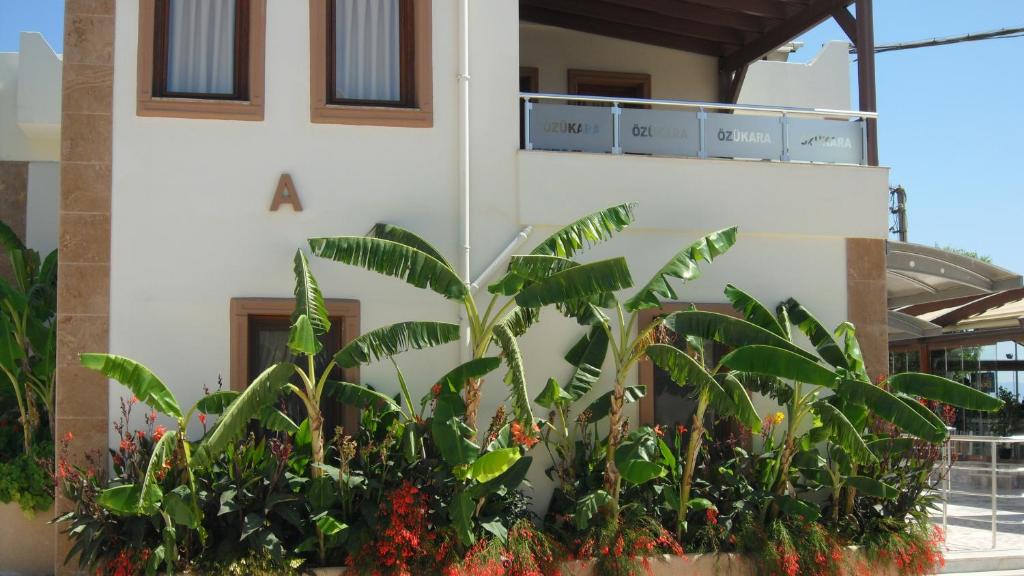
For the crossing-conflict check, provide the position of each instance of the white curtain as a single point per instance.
(201, 47)
(367, 59)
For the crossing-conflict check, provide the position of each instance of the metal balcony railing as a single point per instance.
(600, 124)
(990, 473)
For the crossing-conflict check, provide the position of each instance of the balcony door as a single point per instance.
(611, 84)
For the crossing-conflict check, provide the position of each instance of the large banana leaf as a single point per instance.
(728, 330)
(843, 433)
(872, 487)
(743, 407)
(587, 356)
(359, 396)
(308, 298)
(137, 378)
(577, 283)
(9, 240)
(754, 311)
(232, 424)
(851, 347)
(772, 361)
(684, 266)
(818, 335)
(587, 231)
(494, 464)
(403, 236)
(943, 390)
(602, 405)
(392, 340)
(516, 377)
(890, 408)
(456, 378)
(392, 259)
(518, 320)
(530, 268)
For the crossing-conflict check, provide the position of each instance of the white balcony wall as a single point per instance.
(824, 82)
(674, 74)
(30, 101)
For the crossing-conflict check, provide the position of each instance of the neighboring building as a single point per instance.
(30, 101)
(179, 125)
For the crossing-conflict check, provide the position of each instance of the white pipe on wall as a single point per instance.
(464, 157)
(516, 242)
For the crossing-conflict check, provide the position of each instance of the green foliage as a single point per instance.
(24, 479)
(28, 342)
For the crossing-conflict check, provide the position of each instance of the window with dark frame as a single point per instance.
(268, 345)
(201, 49)
(371, 52)
(260, 328)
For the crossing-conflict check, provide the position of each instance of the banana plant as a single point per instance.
(181, 507)
(514, 304)
(28, 330)
(836, 471)
(627, 349)
(829, 388)
(716, 389)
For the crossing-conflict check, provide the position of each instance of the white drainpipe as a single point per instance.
(464, 182)
(516, 242)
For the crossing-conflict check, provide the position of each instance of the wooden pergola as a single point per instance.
(737, 32)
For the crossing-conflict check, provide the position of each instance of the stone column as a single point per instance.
(867, 306)
(83, 293)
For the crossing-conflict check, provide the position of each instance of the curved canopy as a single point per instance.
(918, 274)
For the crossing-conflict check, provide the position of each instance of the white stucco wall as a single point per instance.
(43, 206)
(674, 74)
(30, 101)
(191, 226)
(824, 82)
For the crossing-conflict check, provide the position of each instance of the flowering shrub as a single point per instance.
(625, 547)
(403, 543)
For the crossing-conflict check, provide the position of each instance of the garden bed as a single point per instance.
(695, 565)
(27, 543)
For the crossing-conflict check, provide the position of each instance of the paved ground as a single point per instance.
(969, 524)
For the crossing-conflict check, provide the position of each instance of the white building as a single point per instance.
(178, 126)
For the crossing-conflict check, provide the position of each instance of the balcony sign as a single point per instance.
(571, 128)
(830, 141)
(744, 136)
(665, 132)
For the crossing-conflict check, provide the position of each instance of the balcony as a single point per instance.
(605, 125)
(696, 165)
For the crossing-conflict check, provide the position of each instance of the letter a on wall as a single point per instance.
(286, 194)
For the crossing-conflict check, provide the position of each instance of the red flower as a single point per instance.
(435, 390)
(520, 437)
(680, 429)
(659, 430)
(202, 419)
(140, 434)
(712, 515)
(69, 437)
(159, 433)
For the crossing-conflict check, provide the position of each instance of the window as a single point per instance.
(201, 58)
(666, 403)
(259, 338)
(371, 62)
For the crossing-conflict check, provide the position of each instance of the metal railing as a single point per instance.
(693, 129)
(990, 468)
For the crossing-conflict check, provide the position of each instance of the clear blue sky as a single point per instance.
(951, 117)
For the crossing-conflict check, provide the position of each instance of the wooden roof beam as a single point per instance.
(621, 31)
(809, 17)
(759, 8)
(610, 12)
(696, 13)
